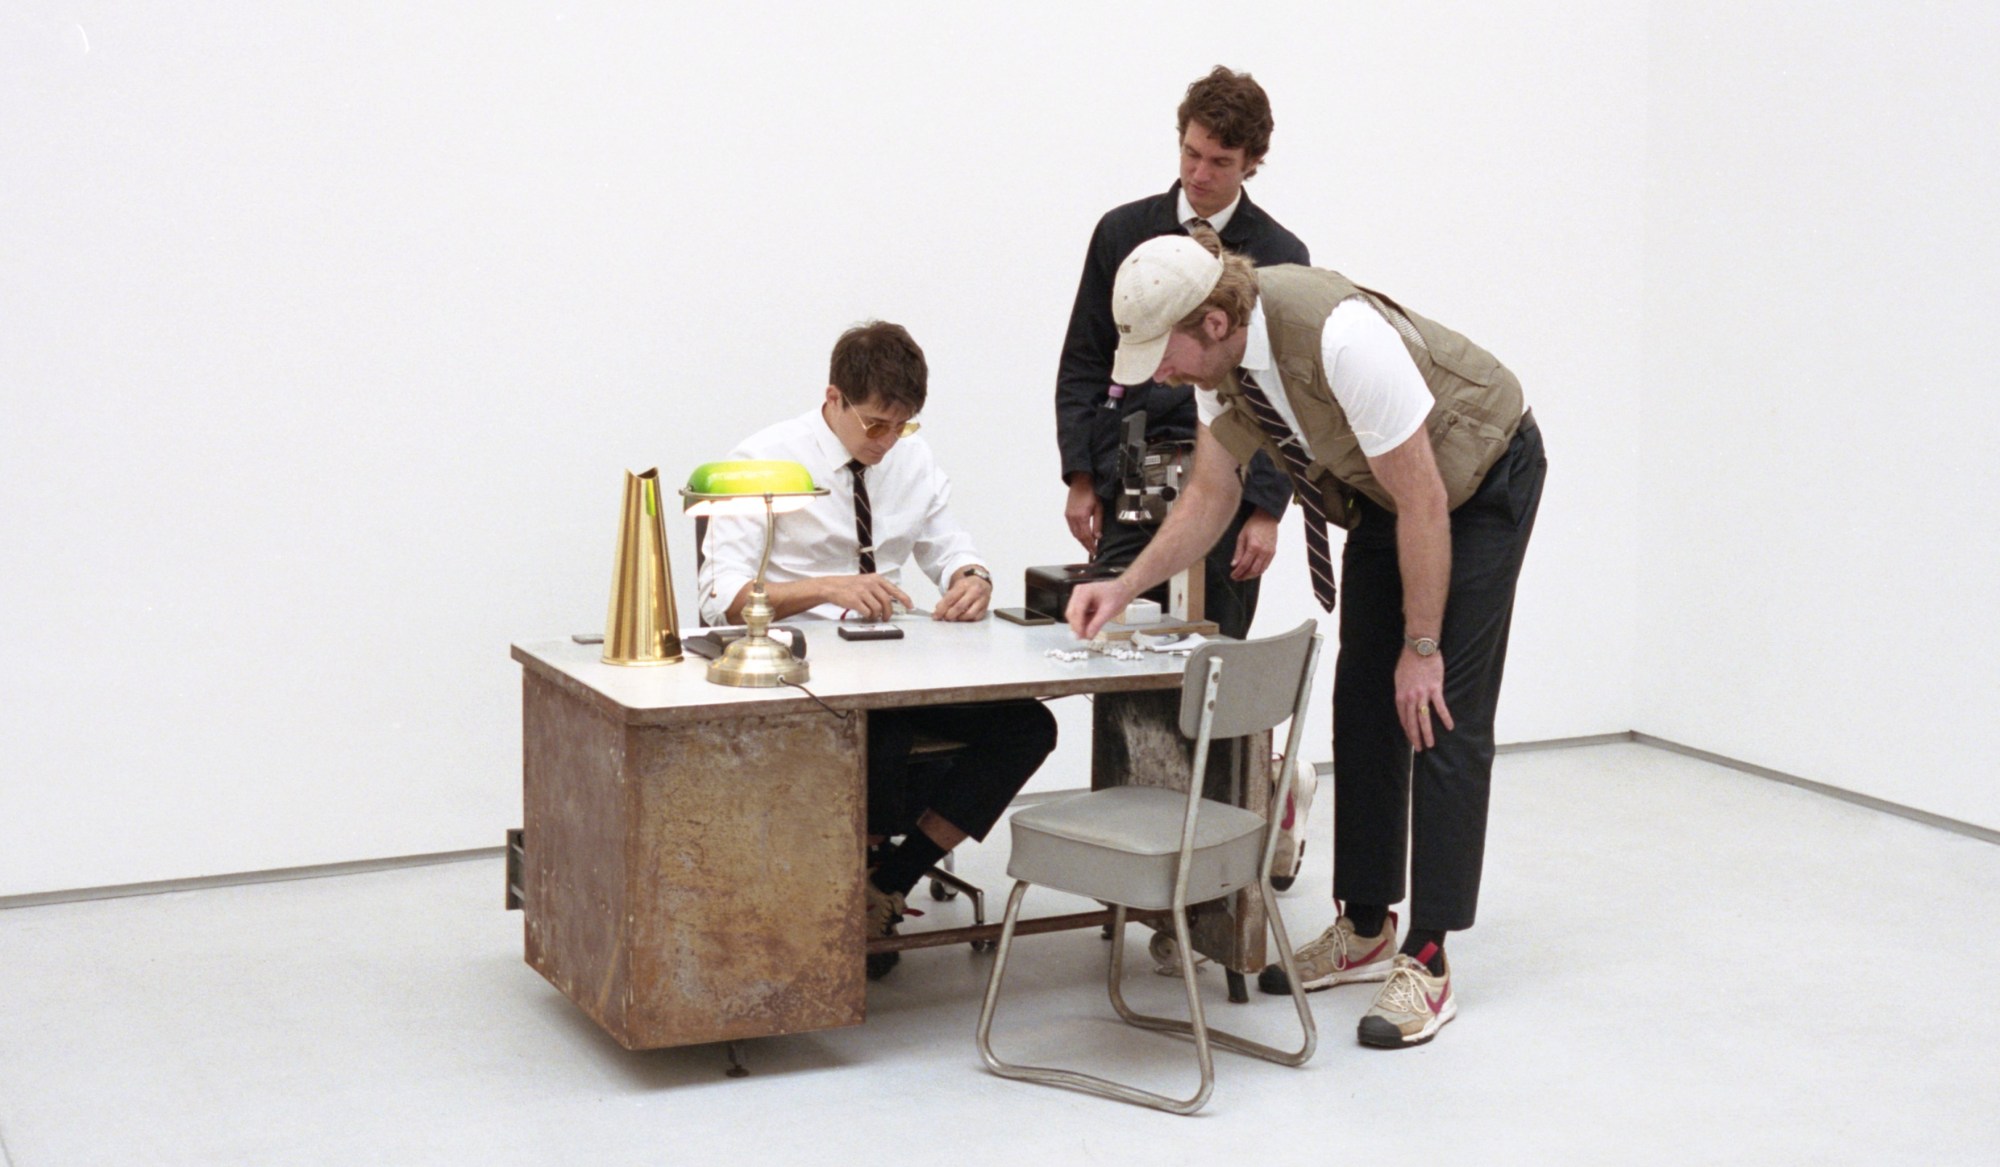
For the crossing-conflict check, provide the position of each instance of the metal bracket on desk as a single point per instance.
(517, 855)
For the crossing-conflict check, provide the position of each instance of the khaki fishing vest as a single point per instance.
(1478, 402)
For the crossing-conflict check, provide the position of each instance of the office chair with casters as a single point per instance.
(1141, 847)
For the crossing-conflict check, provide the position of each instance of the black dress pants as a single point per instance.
(1005, 742)
(1435, 807)
(1230, 603)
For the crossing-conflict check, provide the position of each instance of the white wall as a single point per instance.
(1820, 556)
(325, 336)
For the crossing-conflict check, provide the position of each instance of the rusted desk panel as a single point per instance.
(694, 882)
(1136, 739)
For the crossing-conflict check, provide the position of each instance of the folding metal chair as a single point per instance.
(1149, 848)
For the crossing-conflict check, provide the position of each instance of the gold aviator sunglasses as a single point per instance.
(877, 430)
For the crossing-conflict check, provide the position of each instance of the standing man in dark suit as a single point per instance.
(1225, 130)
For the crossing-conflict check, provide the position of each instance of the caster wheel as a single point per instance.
(1282, 882)
(942, 891)
(1165, 951)
(985, 946)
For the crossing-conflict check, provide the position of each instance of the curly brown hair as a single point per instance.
(1234, 108)
(878, 362)
(1235, 290)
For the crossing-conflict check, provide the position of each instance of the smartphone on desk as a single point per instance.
(869, 632)
(1023, 616)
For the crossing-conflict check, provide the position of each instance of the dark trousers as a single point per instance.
(1437, 806)
(1230, 603)
(1005, 742)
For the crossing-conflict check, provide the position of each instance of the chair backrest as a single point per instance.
(1260, 687)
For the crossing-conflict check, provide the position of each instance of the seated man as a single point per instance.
(843, 555)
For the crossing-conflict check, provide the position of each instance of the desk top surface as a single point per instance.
(934, 663)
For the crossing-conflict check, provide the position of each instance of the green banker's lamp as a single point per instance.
(749, 488)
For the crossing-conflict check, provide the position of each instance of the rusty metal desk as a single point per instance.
(690, 860)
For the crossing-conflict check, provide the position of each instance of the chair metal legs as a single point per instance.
(1226, 1040)
(1196, 1027)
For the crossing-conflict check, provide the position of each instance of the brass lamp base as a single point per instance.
(758, 662)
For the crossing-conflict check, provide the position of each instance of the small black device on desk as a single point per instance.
(1025, 616)
(1048, 588)
(710, 644)
(869, 632)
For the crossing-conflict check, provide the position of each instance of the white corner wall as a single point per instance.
(325, 334)
(1820, 557)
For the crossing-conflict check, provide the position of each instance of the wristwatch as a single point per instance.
(1421, 645)
(981, 572)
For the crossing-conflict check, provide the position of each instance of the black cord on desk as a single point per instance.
(822, 704)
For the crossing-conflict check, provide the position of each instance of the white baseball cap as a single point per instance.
(1163, 280)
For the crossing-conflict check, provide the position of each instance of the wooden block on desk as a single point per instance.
(1117, 631)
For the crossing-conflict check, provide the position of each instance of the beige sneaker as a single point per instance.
(1338, 957)
(885, 911)
(1410, 1009)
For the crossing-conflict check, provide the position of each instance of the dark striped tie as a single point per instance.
(864, 517)
(1312, 505)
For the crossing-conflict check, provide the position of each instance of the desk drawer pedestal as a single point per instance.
(695, 881)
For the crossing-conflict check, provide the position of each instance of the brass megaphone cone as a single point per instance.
(641, 628)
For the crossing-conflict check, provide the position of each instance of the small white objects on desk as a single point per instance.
(1115, 649)
(1137, 648)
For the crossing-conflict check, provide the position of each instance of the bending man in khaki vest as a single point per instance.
(1414, 440)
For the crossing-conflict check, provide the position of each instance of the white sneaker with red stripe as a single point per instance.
(1337, 957)
(1291, 852)
(1411, 1007)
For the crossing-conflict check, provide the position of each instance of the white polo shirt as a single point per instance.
(1374, 379)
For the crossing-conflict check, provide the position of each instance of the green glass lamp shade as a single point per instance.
(742, 486)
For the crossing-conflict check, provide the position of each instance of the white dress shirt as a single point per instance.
(1374, 379)
(908, 498)
(1218, 220)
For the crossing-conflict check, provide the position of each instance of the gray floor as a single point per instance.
(1676, 963)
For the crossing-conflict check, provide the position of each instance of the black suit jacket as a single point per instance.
(1086, 429)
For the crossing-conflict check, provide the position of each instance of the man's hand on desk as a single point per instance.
(966, 599)
(1094, 605)
(869, 596)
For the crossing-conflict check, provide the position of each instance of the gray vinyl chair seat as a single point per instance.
(1123, 846)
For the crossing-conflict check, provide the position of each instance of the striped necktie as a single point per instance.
(1312, 505)
(864, 517)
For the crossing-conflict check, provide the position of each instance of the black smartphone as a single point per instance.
(1023, 616)
(869, 632)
